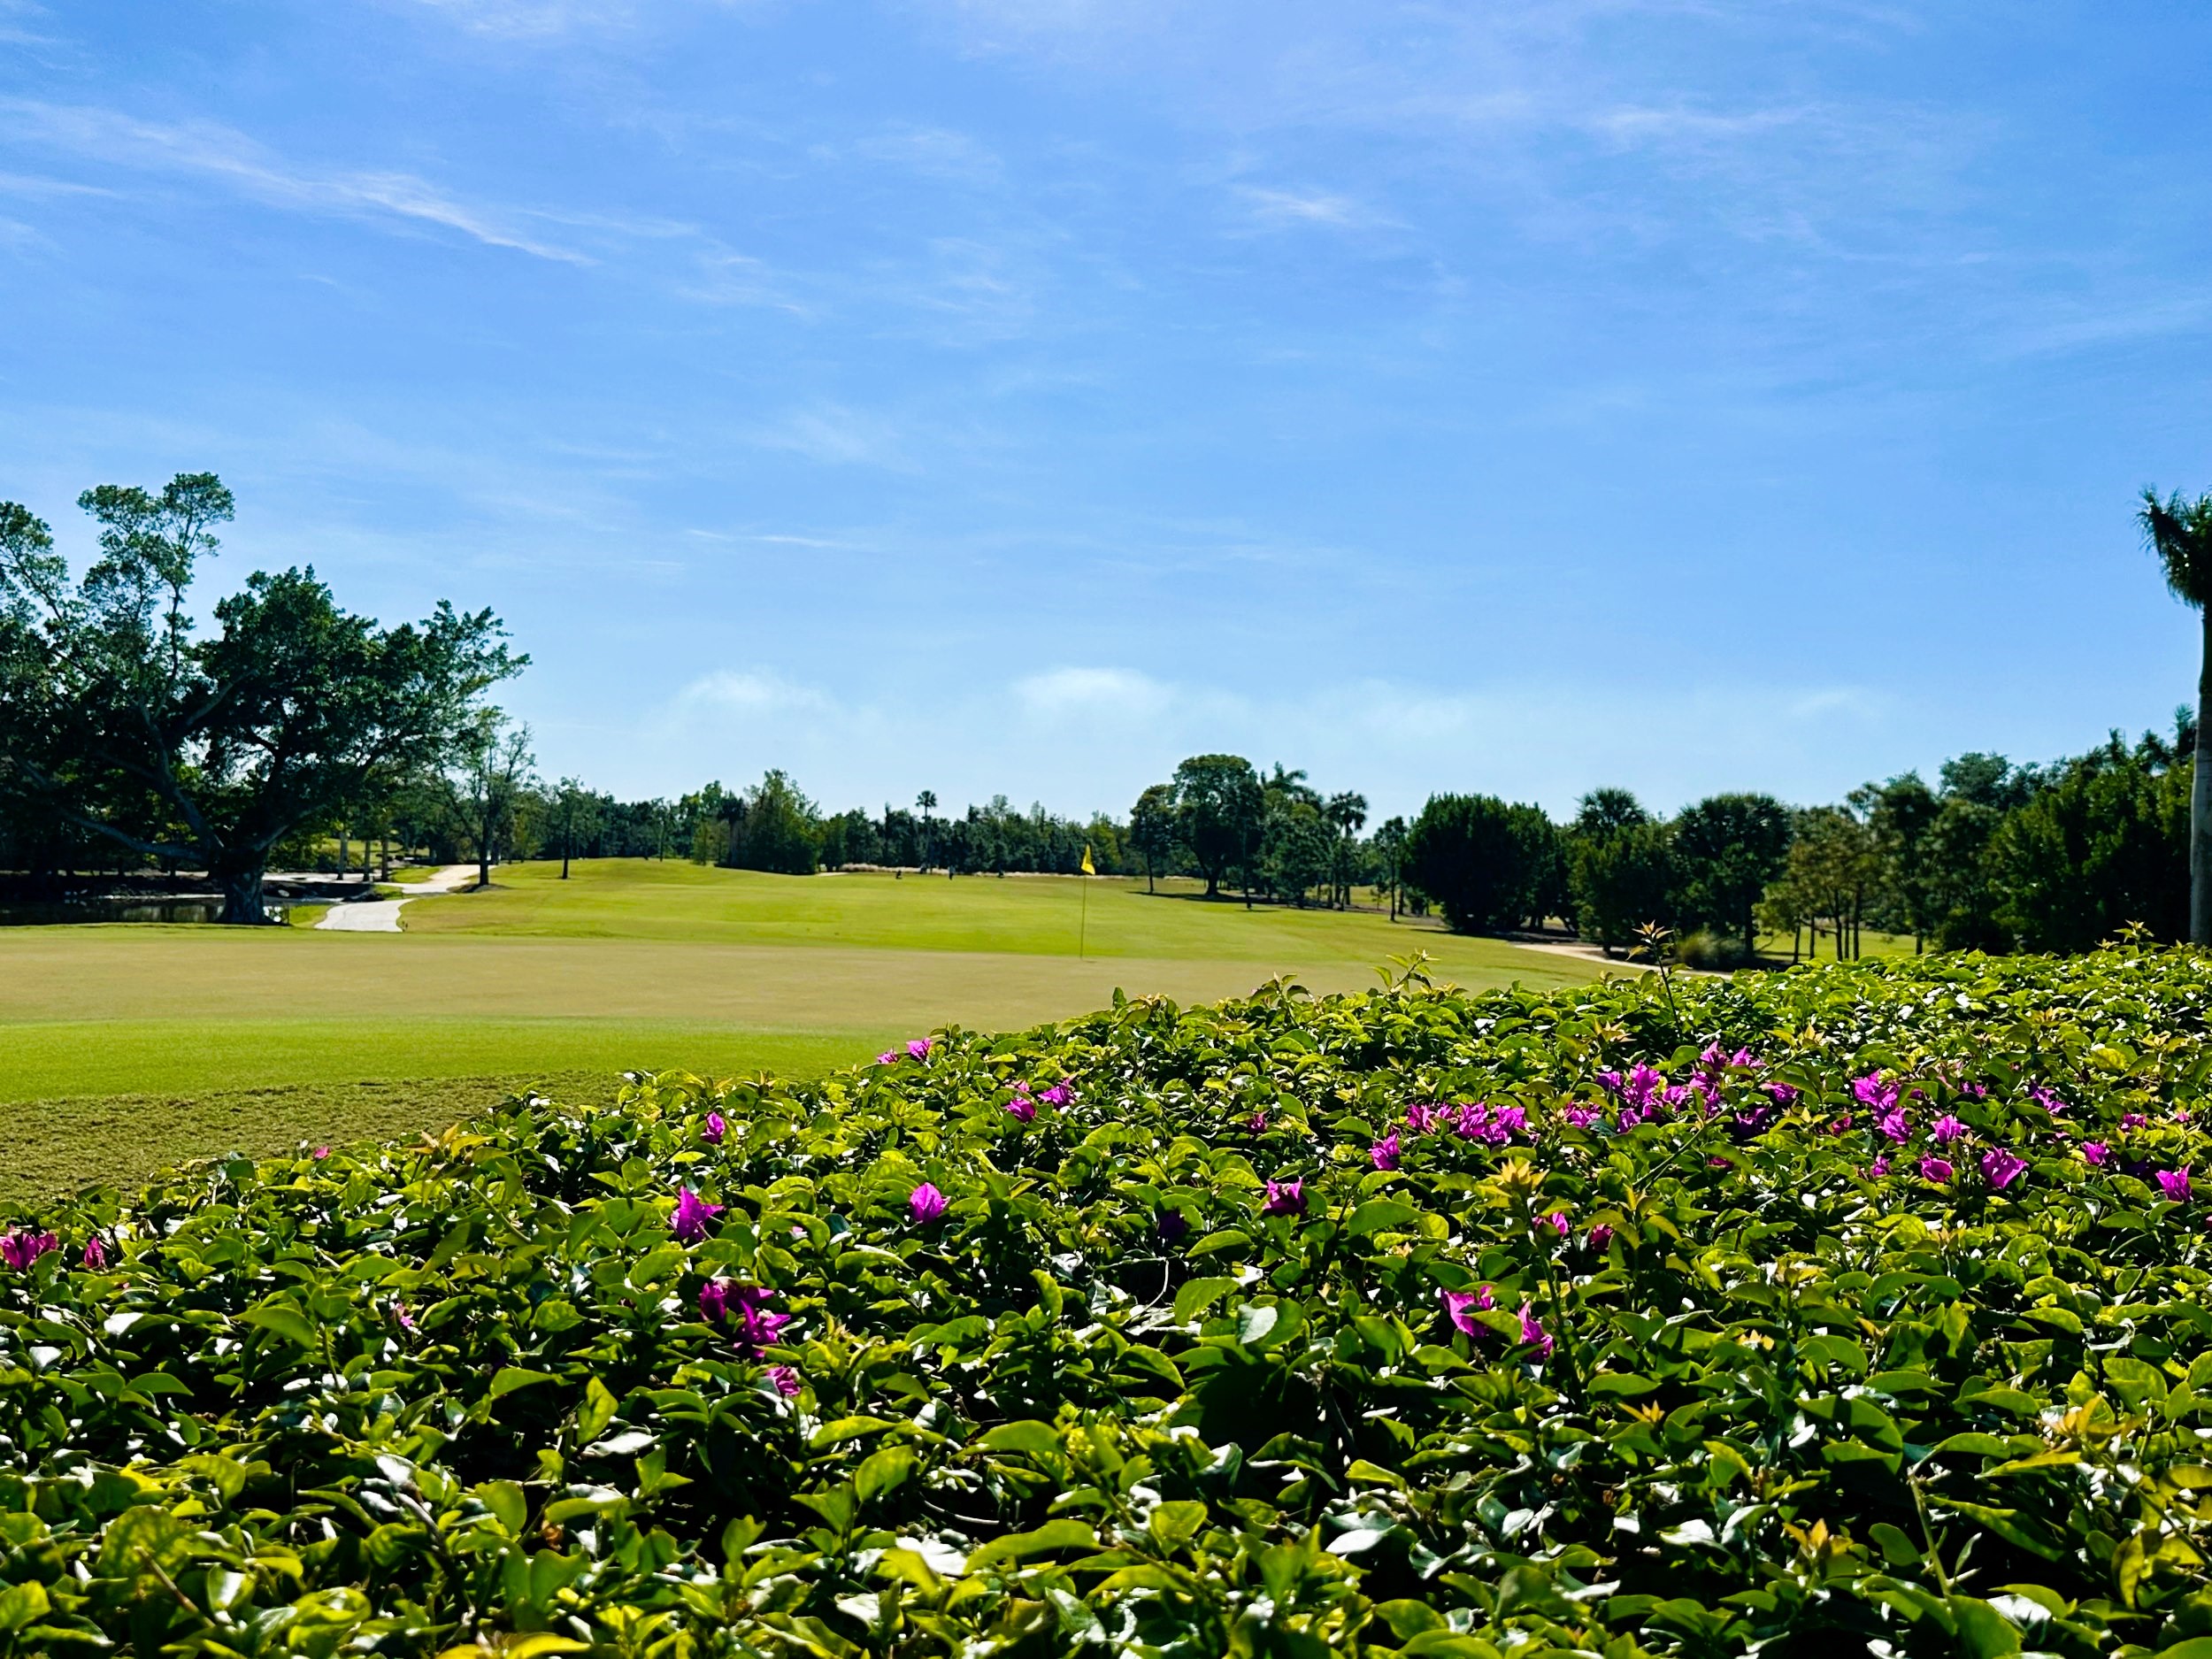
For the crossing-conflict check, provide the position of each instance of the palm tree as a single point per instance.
(1347, 814)
(925, 804)
(2180, 532)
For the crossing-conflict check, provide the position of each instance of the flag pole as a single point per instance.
(1083, 878)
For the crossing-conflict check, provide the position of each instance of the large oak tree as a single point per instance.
(209, 752)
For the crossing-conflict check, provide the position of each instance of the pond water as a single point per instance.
(126, 909)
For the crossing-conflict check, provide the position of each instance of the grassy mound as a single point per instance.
(1842, 1307)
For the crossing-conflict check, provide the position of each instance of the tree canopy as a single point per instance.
(119, 721)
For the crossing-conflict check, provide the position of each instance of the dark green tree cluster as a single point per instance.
(120, 721)
(1270, 837)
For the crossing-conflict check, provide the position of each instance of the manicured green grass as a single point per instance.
(122, 1048)
(630, 898)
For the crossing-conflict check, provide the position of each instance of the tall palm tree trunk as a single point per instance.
(2201, 804)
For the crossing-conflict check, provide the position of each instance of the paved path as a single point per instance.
(381, 915)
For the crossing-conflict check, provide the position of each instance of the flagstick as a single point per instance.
(1083, 924)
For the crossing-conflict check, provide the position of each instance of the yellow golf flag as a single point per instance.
(1088, 869)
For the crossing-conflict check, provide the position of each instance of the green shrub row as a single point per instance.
(1847, 1309)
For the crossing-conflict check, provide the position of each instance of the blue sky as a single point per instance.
(1017, 394)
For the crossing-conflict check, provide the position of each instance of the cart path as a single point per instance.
(381, 915)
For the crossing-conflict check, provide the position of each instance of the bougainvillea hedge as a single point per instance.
(1849, 1309)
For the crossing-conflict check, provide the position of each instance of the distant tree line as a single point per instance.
(293, 733)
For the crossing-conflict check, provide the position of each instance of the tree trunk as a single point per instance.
(2201, 805)
(242, 903)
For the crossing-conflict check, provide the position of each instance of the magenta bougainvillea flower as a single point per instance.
(1384, 1154)
(693, 1213)
(1463, 1305)
(889, 1056)
(1601, 1236)
(2096, 1152)
(1533, 1333)
(1556, 1221)
(1841, 1125)
(1284, 1198)
(18, 1249)
(321, 1153)
(1878, 1167)
(1937, 1169)
(758, 1327)
(1257, 1123)
(2000, 1168)
(926, 1203)
(921, 1046)
(714, 1300)
(1582, 1117)
(1893, 1123)
(1871, 1090)
(1421, 1120)
(1060, 1094)
(1021, 1109)
(717, 1126)
(96, 1254)
(785, 1380)
(1946, 1130)
(2174, 1184)
(1783, 1094)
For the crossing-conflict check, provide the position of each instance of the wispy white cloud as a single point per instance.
(531, 19)
(1092, 693)
(211, 151)
(732, 691)
(1304, 207)
(840, 437)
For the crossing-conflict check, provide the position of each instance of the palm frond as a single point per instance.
(2179, 531)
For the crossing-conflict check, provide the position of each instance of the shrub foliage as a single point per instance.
(1847, 1305)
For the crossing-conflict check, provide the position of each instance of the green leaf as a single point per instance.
(1175, 1523)
(505, 1499)
(1029, 1437)
(1061, 1534)
(1983, 1631)
(1201, 1294)
(595, 1413)
(2007, 1524)
(21, 1603)
(280, 1320)
(883, 1470)
(1381, 1214)
(1898, 1549)
(1255, 1320)
(1226, 1239)
(1627, 1385)
(507, 1378)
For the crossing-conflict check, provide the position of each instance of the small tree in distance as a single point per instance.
(1218, 808)
(1152, 830)
(497, 769)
